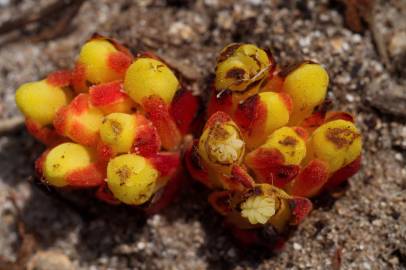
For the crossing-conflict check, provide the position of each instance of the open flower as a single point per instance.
(258, 209)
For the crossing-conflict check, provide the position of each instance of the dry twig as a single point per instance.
(60, 13)
(10, 124)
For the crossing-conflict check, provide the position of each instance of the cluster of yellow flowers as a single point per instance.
(269, 144)
(113, 122)
(116, 122)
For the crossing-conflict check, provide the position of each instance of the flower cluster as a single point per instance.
(269, 143)
(115, 123)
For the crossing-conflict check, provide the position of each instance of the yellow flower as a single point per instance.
(118, 130)
(239, 66)
(337, 142)
(222, 144)
(289, 143)
(307, 86)
(131, 178)
(65, 159)
(149, 77)
(39, 101)
(94, 57)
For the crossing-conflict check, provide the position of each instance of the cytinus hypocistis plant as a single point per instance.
(269, 145)
(114, 123)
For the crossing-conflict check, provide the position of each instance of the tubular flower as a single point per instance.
(337, 142)
(134, 179)
(153, 77)
(118, 130)
(334, 155)
(110, 97)
(216, 157)
(40, 118)
(124, 133)
(131, 178)
(241, 70)
(101, 60)
(70, 164)
(306, 83)
(278, 160)
(153, 85)
(79, 121)
(261, 114)
(108, 123)
(261, 208)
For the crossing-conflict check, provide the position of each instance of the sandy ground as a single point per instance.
(363, 229)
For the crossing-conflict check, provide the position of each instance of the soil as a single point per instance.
(363, 227)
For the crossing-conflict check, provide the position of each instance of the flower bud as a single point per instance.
(147, 77)
(261, 114)
(79, 121)
(100, 60)
(125, 133)
(157, 111)
(239, 66)
(290, 142)
(70, 164)
(338, 143)
(307, 86)
(277, 161)
(240, 72)
(132, 179)
(110, 97)
(39, 101)
(118, 130)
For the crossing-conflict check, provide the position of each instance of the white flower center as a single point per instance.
(228, 150)
(259, 209)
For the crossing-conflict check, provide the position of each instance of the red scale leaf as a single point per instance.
(240, 180)
(195, 167)
(147, 141)
(47, 135)
(166, 163)
(300, 208)
(104, 194)
(89, 176)
(119, 62)
(106, 93)
(222, 102)
(343, 174)
(60, 78)
(311, 179)
(247, 112)
(183, 109)
(169, 193)
(158, 112)
(79, 78)
(219, 200)
(331, 116)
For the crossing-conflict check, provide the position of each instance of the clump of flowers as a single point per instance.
(114, 123)
(269, 144)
